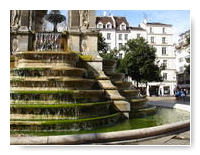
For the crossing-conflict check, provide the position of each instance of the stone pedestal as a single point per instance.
(74, 41)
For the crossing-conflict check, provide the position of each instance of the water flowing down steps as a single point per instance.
(48, 92)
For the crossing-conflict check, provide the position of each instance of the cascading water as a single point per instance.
(46, 41)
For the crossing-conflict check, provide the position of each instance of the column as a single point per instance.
(147, 91)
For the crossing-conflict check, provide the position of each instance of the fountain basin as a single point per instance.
(64, 124)
(124, 131)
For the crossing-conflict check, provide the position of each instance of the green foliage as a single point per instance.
(111, 55)
(139, 61)
(187, 67)
(188, 40)
(102, 45)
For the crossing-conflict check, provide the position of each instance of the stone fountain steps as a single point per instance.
(49, 93)
(63, 124)
(137, 106)
(146, 110)
(29, 94)
(48, 102)
(129, 94)
(121, 85)
(33, 117)
(47, 59)
(138, 103)
(78, 110)
(41, 55)
(116, 76)
(69, 83)
(50, 78)
(48, 72)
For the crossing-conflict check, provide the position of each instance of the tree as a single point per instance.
(102, 45)
(139, 61)
(111, 55)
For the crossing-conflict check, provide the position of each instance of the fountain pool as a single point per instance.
(163, 116)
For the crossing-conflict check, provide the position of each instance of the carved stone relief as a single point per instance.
(84, 44)
(15, 19)
(84, 19)
(14, 44)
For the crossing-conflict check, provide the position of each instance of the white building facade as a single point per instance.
(117, 32)
(182, 54)
(157, 34)
(160, 36)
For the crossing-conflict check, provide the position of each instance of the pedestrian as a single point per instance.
(182, 93)
(185, 92)
(177, 94)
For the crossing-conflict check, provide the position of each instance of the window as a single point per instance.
(165, 63)
(164, 76)
(163, 40)
(181, 69)
(120, 55)
(120, 45)
(108, 26)
(151, 30)
(152, 39)
(126, 37)
(181, 59)
(164, 50)
(120, 36)
(123, 27)
(163, 30)
(138, 35)
(100, 25)
(108, 36)
(166, 90)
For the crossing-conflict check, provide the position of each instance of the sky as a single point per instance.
(179, 19)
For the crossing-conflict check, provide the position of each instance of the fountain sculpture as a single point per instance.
(48, 91)
(58, 81)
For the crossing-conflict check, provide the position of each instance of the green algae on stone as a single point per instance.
(58, 105)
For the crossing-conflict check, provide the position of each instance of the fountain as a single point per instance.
(60, 87)
(48, 91)
(138, 104)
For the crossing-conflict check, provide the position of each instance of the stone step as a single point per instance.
(107, 85)
(114, 95)
(45, 71)
(65, 124)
